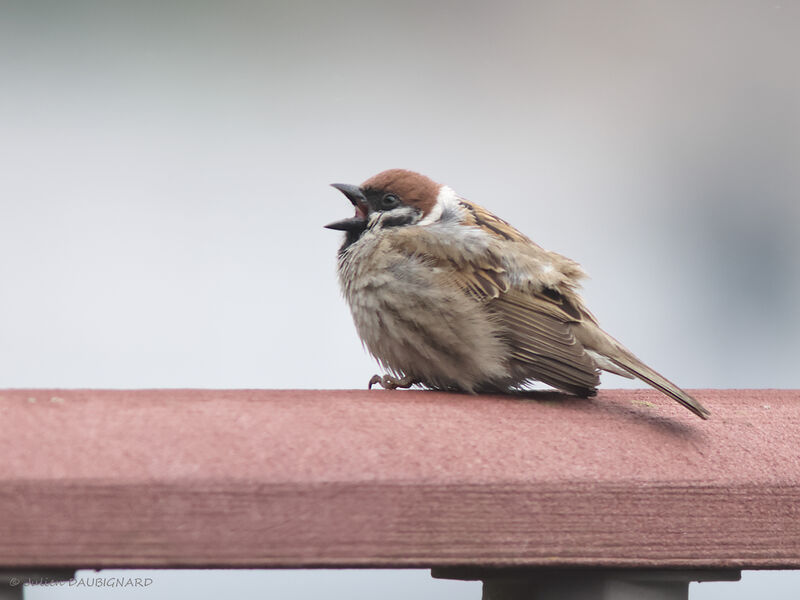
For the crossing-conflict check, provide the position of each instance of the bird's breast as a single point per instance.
(416, 321)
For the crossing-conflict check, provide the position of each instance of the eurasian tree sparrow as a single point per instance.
(448, 296)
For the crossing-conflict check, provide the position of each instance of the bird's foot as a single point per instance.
(388, 382)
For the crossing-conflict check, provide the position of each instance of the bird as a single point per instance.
(445, 295)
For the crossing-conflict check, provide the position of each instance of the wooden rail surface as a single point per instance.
(301, 478)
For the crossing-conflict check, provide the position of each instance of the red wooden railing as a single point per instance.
(462, 484)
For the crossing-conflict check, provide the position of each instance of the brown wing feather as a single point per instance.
(477, 216)
(538, 319)
(543, 344)
(538, 326)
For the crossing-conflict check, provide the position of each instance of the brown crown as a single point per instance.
(412, 188)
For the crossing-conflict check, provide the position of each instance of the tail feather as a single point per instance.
(635, 367)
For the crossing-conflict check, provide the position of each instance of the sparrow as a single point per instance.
(446, 295)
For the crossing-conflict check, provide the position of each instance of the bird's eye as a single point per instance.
(389, 201)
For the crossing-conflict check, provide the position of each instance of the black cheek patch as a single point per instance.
(388, 220)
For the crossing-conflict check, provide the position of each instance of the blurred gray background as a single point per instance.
(164, 172)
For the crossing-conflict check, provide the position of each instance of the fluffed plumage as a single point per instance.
(446, 295)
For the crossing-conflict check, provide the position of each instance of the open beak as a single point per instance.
(357, 198)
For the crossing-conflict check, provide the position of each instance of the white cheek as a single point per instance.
(444, 199)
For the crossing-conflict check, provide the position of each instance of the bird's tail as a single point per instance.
(634, 366)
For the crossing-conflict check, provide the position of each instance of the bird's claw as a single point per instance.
(388, 382)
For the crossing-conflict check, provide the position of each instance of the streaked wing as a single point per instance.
(537, 321)
(538, 328)
(536, 316)
(542, 342)
(477, 216)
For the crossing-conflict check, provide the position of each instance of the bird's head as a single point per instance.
(392, 198)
